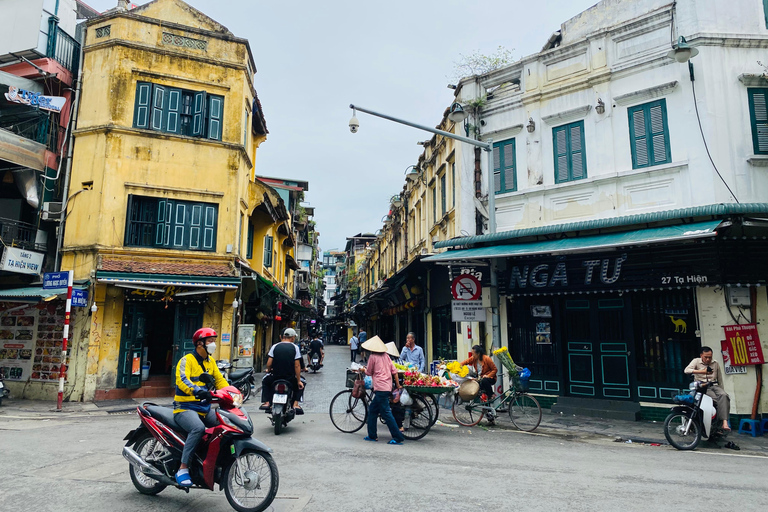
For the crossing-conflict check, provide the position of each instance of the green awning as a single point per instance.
(136, 278)
(35, 293)
(587, 243)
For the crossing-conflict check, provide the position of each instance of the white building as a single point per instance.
(620, 222)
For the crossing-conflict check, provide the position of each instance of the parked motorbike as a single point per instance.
(314, 363)
(691, 419)
(3, 390)
(282, 411)
(304, 346)
(243, 379)
(227, 455)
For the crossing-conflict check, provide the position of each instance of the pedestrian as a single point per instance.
(412, 353)
(382, 372)
(354, 346)
(362, 336)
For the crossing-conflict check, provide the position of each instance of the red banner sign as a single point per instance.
(743, 344)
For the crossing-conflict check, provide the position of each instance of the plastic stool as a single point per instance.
(752, 427)
(764, 425)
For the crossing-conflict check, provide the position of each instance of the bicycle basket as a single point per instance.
(523, 378)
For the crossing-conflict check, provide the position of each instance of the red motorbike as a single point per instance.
(227, 455)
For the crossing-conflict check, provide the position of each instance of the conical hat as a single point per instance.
(375, 345)
(392, 349)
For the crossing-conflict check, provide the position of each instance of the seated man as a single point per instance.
(284, 362)
(704, 369)
(316, 347)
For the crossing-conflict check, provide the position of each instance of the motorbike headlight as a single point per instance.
(237, 399)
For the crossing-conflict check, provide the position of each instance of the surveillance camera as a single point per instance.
(354, 124)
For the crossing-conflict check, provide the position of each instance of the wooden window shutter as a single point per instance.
(142, 104)
(639, 138)
(215, 113)
(249, 242)
(209, 228)
(758, 112)
(508, 163)
(560, 143)
(173, 111)
(496, 169)
(659, 133)
(577, 153)
(158, 107)
(198, 114)
(268, 251)
(128, 225)
(195, 226)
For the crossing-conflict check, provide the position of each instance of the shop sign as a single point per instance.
(168, 291)
(743, 345)
(467, 311)
(562, 274)
(21, 261)
(466, 287)
(35, 99)
(55, 280)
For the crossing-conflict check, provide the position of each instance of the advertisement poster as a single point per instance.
(729, 369)
(743, 344)
(543, 334)
(31, 338)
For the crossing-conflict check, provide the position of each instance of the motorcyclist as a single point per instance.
(191, 405)
(316, 347)
(705, 369)
(284, 362)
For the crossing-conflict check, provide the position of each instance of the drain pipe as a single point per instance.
(758, 367)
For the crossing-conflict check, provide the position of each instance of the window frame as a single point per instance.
(649, 133)
(567, 128)
(503, 168)
(753, 122)
(173, 224)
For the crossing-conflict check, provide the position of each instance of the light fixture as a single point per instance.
(531, 126)
(415, 174)
(94, 308)
(235, 303)
(457, 114)
(682, 52)
(600, 108)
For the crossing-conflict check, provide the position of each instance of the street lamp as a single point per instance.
(682, 52)
(458, 113)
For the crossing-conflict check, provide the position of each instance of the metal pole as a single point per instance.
(65, 339)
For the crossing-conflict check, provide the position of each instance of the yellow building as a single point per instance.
(165, 144)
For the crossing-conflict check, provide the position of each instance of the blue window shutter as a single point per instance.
(496, 168)
(198, 114)
(173, 110)
(560, 142)
(577, 154)
(215, 113)
(159, 102)
(142, 104)
(758, 113)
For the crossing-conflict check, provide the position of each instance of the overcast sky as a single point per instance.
(315, 58)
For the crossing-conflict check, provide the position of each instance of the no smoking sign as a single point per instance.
(466, 287)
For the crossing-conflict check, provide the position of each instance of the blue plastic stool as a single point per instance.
(764, 425)
(752, 427)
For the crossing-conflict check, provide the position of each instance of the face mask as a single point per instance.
(211, 348)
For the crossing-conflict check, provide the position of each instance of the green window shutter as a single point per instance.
(638, 137)
(195, 226)
(758, 113)
(158, 107)
(659, 132)
(128, 221)
(504, 166)
(215, 113)
(180, 223)
(161, 223)
(570, 153)
(249, 248)
(209, 228)
(577, 153)
(434, 204)
(561, 154)
(198, 114)
(141, 107)
(267, 251)
(649, 134)
(453, 184)
(443, 194)
(173, 111)
(496, 169)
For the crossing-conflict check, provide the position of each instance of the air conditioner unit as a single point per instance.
(52, 210)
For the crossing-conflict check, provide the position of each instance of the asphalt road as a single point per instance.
(74, 463)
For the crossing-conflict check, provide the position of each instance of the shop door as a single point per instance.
(443, 334)
(131, 346)
(597, 335)
(189, 318)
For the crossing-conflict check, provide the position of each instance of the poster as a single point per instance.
(743, 344)
(727, 366)
(543, 334)
(31, 338)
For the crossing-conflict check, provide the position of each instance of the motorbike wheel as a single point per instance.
(674, 431)
(250, 482)
(277, 417)
(146, 445)
(245, 390)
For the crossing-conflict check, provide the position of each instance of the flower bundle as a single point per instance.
(506, 360)
(456, 368)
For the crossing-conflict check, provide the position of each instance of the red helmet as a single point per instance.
(205, 332)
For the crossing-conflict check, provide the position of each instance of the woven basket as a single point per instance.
(469, 390)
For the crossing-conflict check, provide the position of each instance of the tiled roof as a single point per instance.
(168, 268)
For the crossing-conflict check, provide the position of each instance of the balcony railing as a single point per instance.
(19, 234)
(62, 47)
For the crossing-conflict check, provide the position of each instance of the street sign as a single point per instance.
(80, 298)
(467, 311)
(54, 280)
(466, 287)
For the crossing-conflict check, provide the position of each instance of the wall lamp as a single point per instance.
(600, 108)
(415, 174)
(681, 51)
(531, 126)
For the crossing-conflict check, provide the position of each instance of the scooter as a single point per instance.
(691, 419)
(282, 411)
(3, 390)
(314, 363)
(243, 379)
(227, 455)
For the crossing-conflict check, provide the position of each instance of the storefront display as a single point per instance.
(31, 341)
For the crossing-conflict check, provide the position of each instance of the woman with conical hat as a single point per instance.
(382, 371)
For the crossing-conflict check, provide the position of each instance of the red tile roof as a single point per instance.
(171, 268)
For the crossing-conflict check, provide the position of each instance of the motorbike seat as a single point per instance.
(239, 374)
(164, 414)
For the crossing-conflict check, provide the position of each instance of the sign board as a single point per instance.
(743, 344)
(54, 280)
(466, 287)
(244, 352)
(727, 366)
(21, 261)
(80, 298)
(35, 99)
(467, 311)
(225, 338)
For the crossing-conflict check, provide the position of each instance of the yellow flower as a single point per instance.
(500, 351)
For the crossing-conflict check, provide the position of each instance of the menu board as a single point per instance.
(31, 340)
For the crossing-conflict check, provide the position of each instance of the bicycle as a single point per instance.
(349, 414)
(524, 410)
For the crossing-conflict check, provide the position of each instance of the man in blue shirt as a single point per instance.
(412, 353)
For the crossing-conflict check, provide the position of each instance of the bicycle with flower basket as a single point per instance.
(524, 410)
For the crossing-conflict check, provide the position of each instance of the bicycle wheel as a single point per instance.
(348, 413)
(418, 418)
(525, 412)
(435, 405)
(467, 414)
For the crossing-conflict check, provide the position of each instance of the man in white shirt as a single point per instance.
(354, 346)
(704, 369)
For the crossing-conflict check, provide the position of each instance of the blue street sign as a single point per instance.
(54, 280)
(80, 298)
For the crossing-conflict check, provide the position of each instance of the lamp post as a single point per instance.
(457, 114)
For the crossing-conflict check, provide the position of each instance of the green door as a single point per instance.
(189, 318)
(131, 346)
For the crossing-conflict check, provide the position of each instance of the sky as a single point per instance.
(315, 58)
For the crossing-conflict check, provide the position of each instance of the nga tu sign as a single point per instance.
(567, 274)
